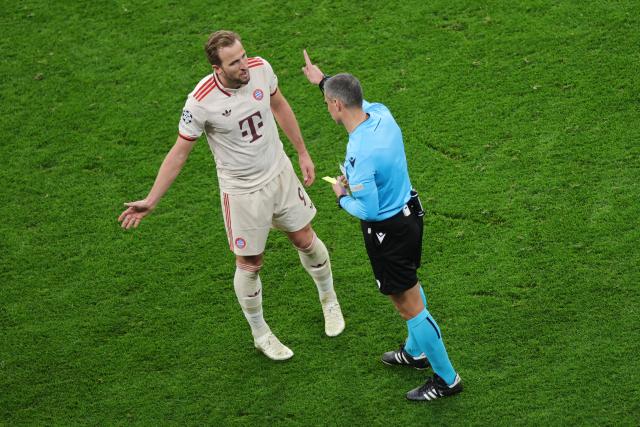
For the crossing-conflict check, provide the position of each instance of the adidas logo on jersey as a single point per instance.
(226, 113)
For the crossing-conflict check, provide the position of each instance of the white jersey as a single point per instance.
(239, 126)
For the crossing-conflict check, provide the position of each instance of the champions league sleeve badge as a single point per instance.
(187, 117)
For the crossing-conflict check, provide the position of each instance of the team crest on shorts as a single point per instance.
(258, 94)
(241, 243)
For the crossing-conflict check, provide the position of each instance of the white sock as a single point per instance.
(248, 287)
(315, 259)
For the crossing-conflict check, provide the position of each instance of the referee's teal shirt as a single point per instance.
(376, 167)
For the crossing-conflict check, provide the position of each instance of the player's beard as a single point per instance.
(244, 77)
(239, 80)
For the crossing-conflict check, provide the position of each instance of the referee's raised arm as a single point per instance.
(311, 71)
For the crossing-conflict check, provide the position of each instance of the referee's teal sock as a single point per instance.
(424, 297)
(411, 346)
(426, 333)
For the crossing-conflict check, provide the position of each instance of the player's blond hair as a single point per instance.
(217, 41)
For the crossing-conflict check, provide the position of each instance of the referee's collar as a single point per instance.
(361, 124)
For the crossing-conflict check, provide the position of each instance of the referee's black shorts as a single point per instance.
(394, 246)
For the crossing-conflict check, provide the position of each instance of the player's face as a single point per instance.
(234, 71)
(333, 108)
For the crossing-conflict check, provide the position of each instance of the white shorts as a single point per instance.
(282, 203)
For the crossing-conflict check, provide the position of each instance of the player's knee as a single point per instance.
(251, 264)
(303, 239)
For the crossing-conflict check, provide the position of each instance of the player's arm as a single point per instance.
(169, 170)
(289, 125)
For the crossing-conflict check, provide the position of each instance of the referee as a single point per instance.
(376, 189)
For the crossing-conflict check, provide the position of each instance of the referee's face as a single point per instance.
(234, 71)
(333, 108)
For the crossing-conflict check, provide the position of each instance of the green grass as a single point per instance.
(521, 130)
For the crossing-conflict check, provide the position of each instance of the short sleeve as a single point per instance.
(191, 123)
(272, 79)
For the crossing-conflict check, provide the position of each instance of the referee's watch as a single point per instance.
(338, 200)
(322, 82)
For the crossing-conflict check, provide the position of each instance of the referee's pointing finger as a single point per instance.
(307, 60)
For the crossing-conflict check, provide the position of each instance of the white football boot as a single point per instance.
(271, 346)
(333, 320)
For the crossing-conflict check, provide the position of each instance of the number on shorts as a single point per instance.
(301, 196)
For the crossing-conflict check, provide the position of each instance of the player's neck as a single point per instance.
(353, 118)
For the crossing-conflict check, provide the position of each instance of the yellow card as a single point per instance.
(329, 179)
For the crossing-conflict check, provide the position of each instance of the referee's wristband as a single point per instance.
(322, 82)
(338, 200)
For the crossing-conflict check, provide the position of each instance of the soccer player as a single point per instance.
(235, 107)
(376, 189)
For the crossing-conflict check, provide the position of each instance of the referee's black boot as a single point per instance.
(401, 357)
(435, 388)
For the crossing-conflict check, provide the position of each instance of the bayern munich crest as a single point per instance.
(258, 94)
(240, 243)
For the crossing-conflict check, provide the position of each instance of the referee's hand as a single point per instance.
(340, 187)
(310, 70)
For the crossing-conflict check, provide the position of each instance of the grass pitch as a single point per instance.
(521, 129)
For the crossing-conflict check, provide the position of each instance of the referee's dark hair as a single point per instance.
(346, 88)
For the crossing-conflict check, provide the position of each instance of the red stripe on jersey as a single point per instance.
(254, 62)
(188, 138)
(227, 220)
(220, 86)
(204, 86)
(206, 92)
(256, 65)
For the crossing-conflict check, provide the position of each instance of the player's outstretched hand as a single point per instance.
(134, 213)
(311, 71)
(307, 168)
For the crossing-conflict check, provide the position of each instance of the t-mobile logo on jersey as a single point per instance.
(254, 125)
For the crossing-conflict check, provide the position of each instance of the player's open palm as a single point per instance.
(134, 213)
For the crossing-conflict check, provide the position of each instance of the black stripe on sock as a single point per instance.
(434, 327)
